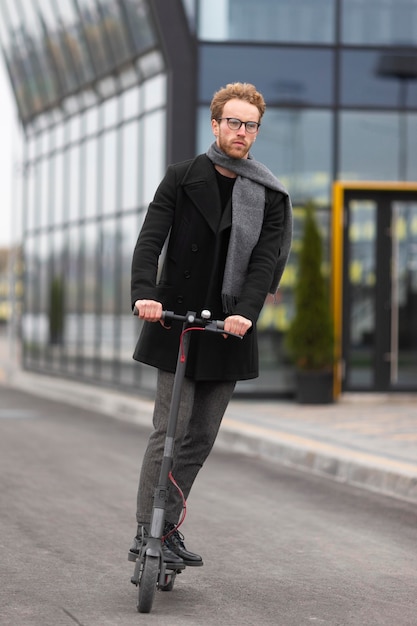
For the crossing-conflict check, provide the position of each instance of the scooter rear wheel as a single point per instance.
(147, 584)
(169, 582)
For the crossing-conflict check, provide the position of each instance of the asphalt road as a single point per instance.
(280, 547)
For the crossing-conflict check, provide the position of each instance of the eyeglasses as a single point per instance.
(234, 124)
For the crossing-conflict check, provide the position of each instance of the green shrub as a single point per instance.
(309, 339)
(56, 311)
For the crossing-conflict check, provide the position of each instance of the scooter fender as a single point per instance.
(153, 548)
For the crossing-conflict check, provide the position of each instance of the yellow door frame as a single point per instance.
(338, 220)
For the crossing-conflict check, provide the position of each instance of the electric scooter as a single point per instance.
(151, 572)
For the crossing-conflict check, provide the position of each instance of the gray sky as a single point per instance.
(8, 151)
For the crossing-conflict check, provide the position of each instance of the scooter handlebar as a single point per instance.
(191, 318)
(205, 319)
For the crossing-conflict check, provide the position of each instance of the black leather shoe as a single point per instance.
(175, 543)
(169, 557)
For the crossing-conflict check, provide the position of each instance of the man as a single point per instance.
(228, 223)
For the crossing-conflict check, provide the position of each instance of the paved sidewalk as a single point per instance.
(368, 440)
(365, 440)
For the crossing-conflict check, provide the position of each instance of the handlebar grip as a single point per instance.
(169, 316)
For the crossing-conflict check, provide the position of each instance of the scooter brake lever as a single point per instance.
(225, 332)
(213, 326)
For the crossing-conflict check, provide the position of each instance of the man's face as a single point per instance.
(236, 143)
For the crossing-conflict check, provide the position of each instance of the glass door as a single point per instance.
(403, 349)
(379, 291)
(361, 270)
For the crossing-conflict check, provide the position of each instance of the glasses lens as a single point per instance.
(233, 123)
(251, 127)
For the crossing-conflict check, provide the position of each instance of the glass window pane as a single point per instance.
(107, 263)
(128, 76)
(139, 21)
(43, 296)
(24, 64)
(72, 296)
(110, 110)
(409, 146)
(30, 197)
(35, 200)
(57, 202)
(154, 93)
(37, 46)
(117, 34)
(75, 129)
(362, 275)
(95, 34)
(28, 326)
(150, 64)
(377, 146)
(154, 150)
(73, 174)
(129, 235)
(404, 295)
(378, 79)
(130, 102)
(267, 20)
(130, 165)
(300, 76)
(107, 260)
(90, 260)
(110, 160)
(43, 198)
(107, 86)
(71, 32)
(90, 200)
(90, 297)
(91, 120)
(18, 81)
(72, 269)
(129, 326)
(303, 160)
(58, 43)
(392, 22)
(59, 135)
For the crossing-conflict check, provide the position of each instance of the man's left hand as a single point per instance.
(237, 324)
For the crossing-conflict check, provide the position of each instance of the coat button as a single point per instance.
(187, 274)
(180, 299)
(194, 247)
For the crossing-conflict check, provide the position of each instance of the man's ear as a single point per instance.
(215, 127)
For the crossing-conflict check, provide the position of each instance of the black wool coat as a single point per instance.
(187, 209)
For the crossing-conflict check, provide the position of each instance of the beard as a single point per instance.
(232, 149)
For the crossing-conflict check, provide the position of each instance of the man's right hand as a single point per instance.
(149, 310)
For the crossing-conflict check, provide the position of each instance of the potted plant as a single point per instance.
(56, 311)
(310, 338)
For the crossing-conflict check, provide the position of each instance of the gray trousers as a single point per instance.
(201, 411)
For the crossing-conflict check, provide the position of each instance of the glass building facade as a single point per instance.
(111, 91)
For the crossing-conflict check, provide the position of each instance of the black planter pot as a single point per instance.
(314, 387)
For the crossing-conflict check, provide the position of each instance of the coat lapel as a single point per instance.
(200, 185)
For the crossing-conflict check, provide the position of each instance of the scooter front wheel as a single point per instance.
(148, 583)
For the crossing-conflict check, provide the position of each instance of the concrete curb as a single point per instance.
(369, 471)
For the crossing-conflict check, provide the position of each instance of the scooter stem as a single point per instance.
(161, 491)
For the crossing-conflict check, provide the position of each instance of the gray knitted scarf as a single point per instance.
(248, 204)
